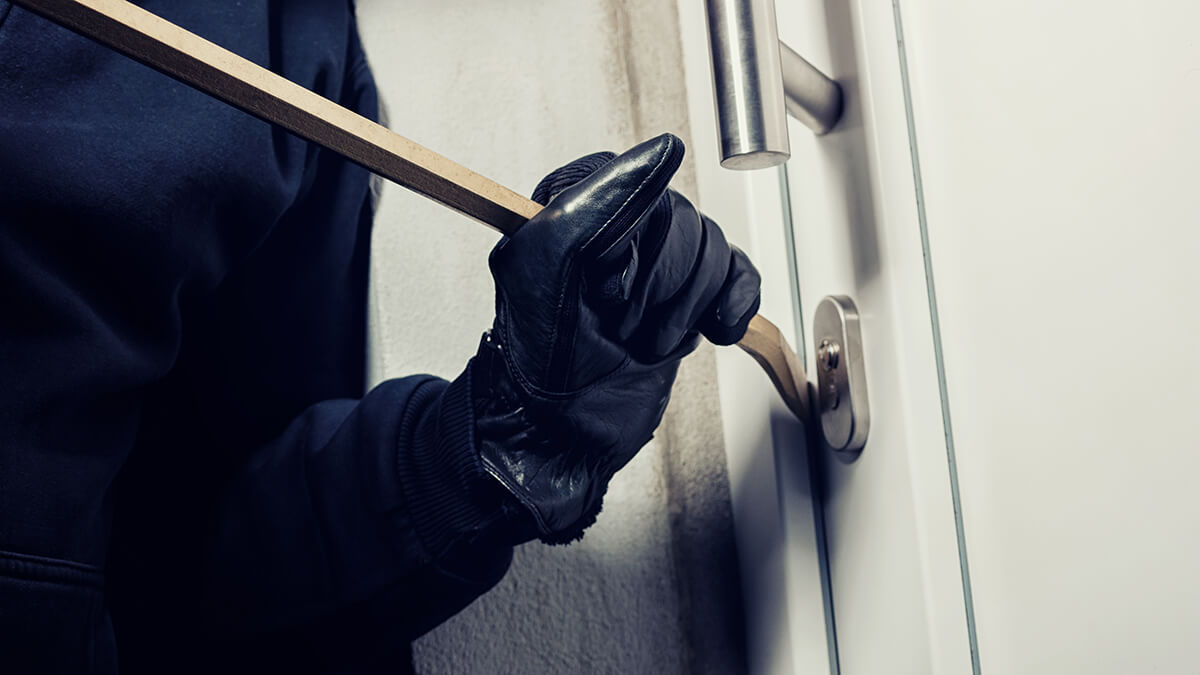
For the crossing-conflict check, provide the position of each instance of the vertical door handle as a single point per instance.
(757, 80)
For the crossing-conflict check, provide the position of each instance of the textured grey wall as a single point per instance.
(513, 90)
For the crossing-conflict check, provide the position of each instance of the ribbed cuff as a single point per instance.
(449, 496)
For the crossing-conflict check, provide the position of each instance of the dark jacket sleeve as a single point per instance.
(368, 512)
(181, 354)
(368, 517)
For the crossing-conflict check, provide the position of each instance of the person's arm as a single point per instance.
(375, 511)
(363, 516)
(401, 508)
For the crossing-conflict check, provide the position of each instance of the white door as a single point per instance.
(1059, 154)
(1010, 202)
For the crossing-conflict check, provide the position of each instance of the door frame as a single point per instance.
(894, 590)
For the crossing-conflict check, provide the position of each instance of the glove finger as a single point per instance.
(701, 283)
(670, 236)
(727, 318)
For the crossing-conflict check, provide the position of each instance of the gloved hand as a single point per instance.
(598, 297)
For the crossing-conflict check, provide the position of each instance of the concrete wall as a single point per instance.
(513, 90)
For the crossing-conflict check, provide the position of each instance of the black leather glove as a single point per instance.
(598, 297)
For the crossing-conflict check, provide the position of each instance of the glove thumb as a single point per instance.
(582, 237)
(602, 198)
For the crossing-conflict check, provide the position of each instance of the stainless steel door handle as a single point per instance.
(757, 80)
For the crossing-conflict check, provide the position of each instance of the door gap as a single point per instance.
(812, 451)
(947, 427)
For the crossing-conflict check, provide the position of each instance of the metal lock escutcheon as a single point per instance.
(841, 379)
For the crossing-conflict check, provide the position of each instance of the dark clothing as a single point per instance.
(188, 476)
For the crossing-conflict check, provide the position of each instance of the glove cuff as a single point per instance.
(518, 440)
(450, 498)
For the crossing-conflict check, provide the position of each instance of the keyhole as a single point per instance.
(828, 354)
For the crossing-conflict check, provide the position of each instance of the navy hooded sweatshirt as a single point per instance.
(191, 478)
